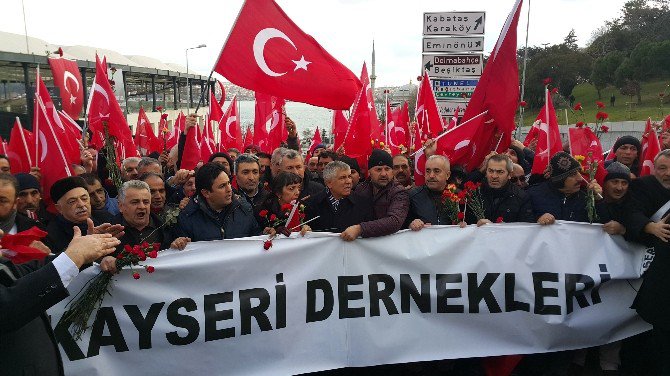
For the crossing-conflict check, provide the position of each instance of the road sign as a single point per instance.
(453, 23)
(453, 44)
(453, 88)
(453, 65)
(448, 108)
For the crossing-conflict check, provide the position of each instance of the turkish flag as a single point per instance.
(266, 52)
(419, 157)
(427, 113)
(68, 80)
(340, 127)
(497, 94)
(16, 247)
(191, 155)
(215, 111)
(531, 136)
(375, 124)
(584, 142)
(223, 93)
(548, 135)
(21, 143)
(268, 113)
(358, 143)
(248, 139)
(277, 124)
(448, 143)
(316, 140)
(207, 144)
(53, 151)
(230, 131)
(172, 137)
(145, 139)
(397, 127)
(650, 149)
(102, 106)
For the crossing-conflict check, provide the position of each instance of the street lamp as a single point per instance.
(190, 94)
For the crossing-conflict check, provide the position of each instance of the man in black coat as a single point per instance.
(502, 200)
(74, 207)
(247, 172)
(425, 202)
(292, 161)
(27, 343)
(646, 221)
(337, 208)
(611, 208)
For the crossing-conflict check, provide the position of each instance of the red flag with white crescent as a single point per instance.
(339, 128)
(316, 140)
(145, 139)
(68, 80)
(20, 149)
(248, 139)
(548, 136)
(230, 130)
(584, 142)
(650, 148)
(104, 106)
(277, 132)
(267, 52)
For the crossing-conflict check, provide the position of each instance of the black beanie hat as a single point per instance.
(380, 158)
(563, 165)
(351, 162)
(63, 186)
(27, 181)
(627, 140)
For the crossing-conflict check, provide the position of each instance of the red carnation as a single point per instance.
(157, 246)
(127, 248)
(286, 207)
(273, 217)
(142, 256)
(546, 81)
(263, 213)
(150, 269)
(499, 220)
(59, 51)
(523, 103)
(419, 78)
(554, 90)
(136, 275)
(601, 115)
(579, 124)
(159, 108)
(164, 116)
(152, 254)
(578, 107)
(605, 128)
(600, 104)
(267, 244)
(111, 82)
(460, 216)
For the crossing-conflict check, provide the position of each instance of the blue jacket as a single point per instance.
(547, 199)
(199, 222)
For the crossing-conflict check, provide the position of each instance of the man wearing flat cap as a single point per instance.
(389, 199)
(562, 196)
(627, 151)
(73, 203)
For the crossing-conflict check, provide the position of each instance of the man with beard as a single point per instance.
(502, 200)
(12, 221)
(100, 199)
(338, 208)
(646, 221)
(611, 208)
(29, 200)
(74, 209)
(425, 202)
(214, 213)
(402, 171)
(247, 174)
(390, 201)
(139, 224)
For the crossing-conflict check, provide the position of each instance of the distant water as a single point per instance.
(305, 116)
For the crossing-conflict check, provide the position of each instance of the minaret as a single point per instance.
(373, 76)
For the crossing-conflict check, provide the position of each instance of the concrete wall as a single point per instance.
(617, 129)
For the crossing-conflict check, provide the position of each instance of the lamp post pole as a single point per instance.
(188, 83)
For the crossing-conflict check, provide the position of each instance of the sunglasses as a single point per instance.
(517, 179)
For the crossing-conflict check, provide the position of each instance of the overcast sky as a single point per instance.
(346, 28)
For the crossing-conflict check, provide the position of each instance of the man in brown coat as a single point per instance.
(389, 199)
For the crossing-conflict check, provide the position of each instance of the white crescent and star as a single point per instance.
(262, 39)
(67, 74)
(43, 144)
(230, 121)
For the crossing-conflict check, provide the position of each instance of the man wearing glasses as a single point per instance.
(518, 176)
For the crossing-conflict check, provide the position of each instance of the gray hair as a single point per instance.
(332, 168)
(245, 158)
(130, 159)
(132, 184)
(662, 153)
(290, 154)
(509, 165)
(147, 161)
(277, 155)
(442, 158)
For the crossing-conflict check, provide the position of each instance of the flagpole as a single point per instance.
(451, 130)
(523, 73)
(546, 116)
(386, 128)
(23, 138)
(60, 149)
(36, 128)
(202, 93)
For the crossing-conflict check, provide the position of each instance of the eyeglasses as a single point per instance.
(518, 179)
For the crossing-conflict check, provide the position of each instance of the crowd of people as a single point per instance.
(237, 194)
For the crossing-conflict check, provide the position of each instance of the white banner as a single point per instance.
(315, 303)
